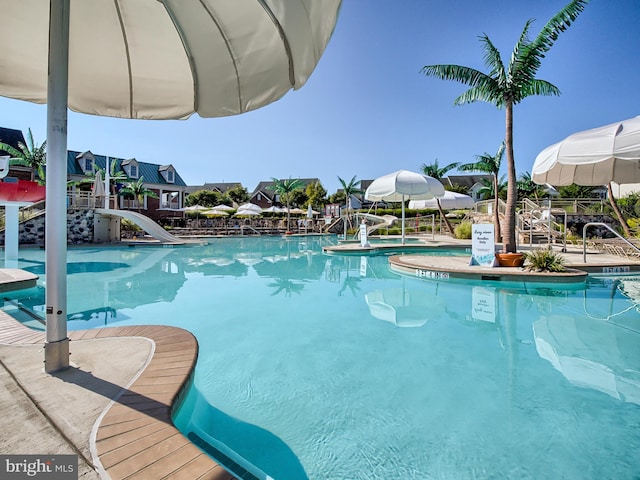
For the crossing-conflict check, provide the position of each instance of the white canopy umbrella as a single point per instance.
(214, 212)
(274, 209)
(147, 59)
(449, 201)
(98, 189)
(249, 209)
(403, 185)
(223, 207)
(592, 158)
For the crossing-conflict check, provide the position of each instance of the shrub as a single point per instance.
(544, 260)
(129, 226)
(463, 230)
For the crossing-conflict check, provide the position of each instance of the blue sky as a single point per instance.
(367, 111)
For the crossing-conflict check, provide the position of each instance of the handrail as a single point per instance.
(584, 238)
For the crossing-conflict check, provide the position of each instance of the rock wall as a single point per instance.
(79, 229)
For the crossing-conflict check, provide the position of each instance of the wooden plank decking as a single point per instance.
(136, 438)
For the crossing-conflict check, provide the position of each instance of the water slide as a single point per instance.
(378, 221)
(145, 223)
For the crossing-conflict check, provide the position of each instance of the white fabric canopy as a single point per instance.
(146, 59)
(403, 185)
(169, 59)
(449, 201)
(593, 157)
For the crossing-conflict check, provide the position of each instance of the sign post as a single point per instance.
(483, 246)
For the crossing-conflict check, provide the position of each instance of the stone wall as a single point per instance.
(79, 229)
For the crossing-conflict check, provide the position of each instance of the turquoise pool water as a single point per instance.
(327, 367)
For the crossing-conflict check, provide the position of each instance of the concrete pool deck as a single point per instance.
(113, 406)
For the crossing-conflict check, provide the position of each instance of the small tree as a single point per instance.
(285, 188)
(489, 164)
(437, 172)
(29, 155)
(138, 191)
(351, 188)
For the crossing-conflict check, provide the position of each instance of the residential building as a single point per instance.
(264, 196)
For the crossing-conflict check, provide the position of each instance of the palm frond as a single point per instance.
(492, 59)
(556, 25)
(540, 87)
(489, 93)
(466, 75)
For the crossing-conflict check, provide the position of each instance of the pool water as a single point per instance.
(329, 367)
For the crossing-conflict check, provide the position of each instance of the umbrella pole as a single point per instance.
(403, 219)
(56, 346)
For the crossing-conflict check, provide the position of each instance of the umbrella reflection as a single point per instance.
(591, 353)
(404, 307)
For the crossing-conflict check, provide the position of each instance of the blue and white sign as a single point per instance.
(483, 246)
(363, 235)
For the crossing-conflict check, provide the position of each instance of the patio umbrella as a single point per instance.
(449, 201)
(223, 207)
(249, 209)
(403, 185)
(98, 188)
(148, 60)
(214, 212)
(274, 209)
(593, 157)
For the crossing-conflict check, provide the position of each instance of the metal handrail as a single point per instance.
(584, 238)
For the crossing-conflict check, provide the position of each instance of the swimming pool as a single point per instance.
(327, 367)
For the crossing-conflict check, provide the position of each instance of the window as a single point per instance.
(133, 171)
(170, 176)
(88, 165)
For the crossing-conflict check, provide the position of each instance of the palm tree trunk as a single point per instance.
(509, 237)
(616, 209)
(444, 217)
(496, 215)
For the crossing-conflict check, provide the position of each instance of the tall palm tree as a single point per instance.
(29, 155)
(285, 188)
(351, 188)
(138, 191)
(506, 86)
(437, 172)
(491, 165)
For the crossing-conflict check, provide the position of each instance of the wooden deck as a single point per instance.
(136, 438)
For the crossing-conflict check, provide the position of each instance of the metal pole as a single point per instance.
(11, 234)
(403, 219)
(107, 183)
(56, 346)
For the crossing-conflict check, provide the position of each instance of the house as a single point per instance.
(265, 197)
(222, 187)
(163, 180)
(472, 183)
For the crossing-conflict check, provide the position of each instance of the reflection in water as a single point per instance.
(298, 376)
(404, 307)
(592, 353)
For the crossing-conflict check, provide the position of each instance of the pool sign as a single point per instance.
(483, 246)
(363, 235)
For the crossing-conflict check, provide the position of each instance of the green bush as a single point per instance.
(129, 226)
(544, 260)
(463, 230)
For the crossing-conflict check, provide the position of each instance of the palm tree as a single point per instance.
(507, 86)
(526, 187)
(492, 187)
(116, 175)
(489, 164)
(29, 155)
(351, 188)
(437, 172)
(138, 191)
(285, 188)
